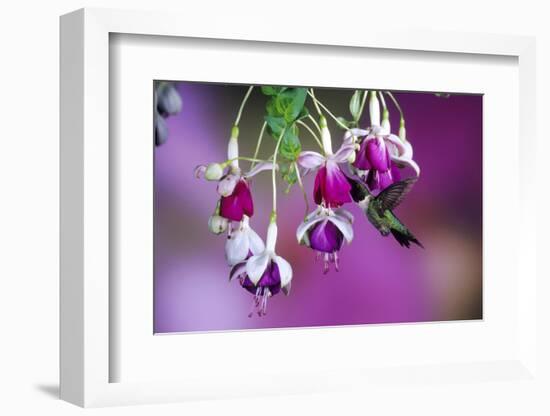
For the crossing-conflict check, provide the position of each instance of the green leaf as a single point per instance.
(290, 146)
(292, 102)
(288, 172)
(275, 125)
(355, 104)
(270, 90)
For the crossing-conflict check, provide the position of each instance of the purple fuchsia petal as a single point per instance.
(271, 280)
(336, 188)
(378, 181)
(395, 172)
(326, 237)
(319, 184)
(361, 160)
(239, 203)
(378, 154)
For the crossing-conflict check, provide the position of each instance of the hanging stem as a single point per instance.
(317, 139)
(389, 94)
(245, 99)
(362, 107)
(249, 159)
(312, 94)
(273, 170)
(328, 111)
(382, 100)
(301, 185)
(259, 143)
(309, 116)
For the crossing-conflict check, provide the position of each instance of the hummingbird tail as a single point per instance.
(405, 238)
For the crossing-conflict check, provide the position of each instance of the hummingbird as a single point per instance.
(379, 209)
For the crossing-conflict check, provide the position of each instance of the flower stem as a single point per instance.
(301, 123)
(362, 107)
(312, 94)
(389, 94)
(328, 111)
(249, 159)
(301, 185)
(309, 116)
(273, 170)
(245, 99)
(259, 143)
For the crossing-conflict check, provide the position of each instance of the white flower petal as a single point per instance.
(227, 184)
(306, 225)
(343, 225)
(310, 160)
(259, 168)
(407, 162)
(236, 247)
(399, 145)
(285, 270)
(345, 214)
(257, 245)
(343, 154)
(256, 265)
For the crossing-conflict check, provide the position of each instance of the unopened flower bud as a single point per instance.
(217, 224)
(325, 136)
(402, 131)
(213, 172)
(386, 128)
(374, 109)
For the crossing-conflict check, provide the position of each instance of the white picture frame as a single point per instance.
(87, 166)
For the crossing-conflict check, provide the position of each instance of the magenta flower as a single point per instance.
(379, 157)
(265, 274)
(242, 243)
(233, 187)
(331, 187)
(324, 231)
(239, 203)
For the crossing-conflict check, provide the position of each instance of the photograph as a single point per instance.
(305, 206)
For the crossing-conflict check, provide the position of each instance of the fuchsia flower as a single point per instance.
(242, 243)
(233, 186)
(331, 187)
(324, 230)
(379, 157)
(264, 274)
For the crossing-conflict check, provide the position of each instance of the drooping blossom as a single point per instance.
(233, 186)
(331, 188)
(380, 156)
(324, 230)
(265, 274)
(242, 243)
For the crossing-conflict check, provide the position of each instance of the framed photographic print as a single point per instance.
(318, 211)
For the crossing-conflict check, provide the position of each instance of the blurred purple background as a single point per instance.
(379, 281)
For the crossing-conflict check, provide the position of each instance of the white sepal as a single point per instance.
(285, 270)
(374, 109)
(226, 186)
(343, 225)
(237, 246)
(310, 159)
(271, 237)
(256, 266)
(233, 152)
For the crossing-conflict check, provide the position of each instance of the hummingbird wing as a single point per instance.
(392, 196)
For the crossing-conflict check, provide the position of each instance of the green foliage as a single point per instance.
(288, 172)
(284, 107)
